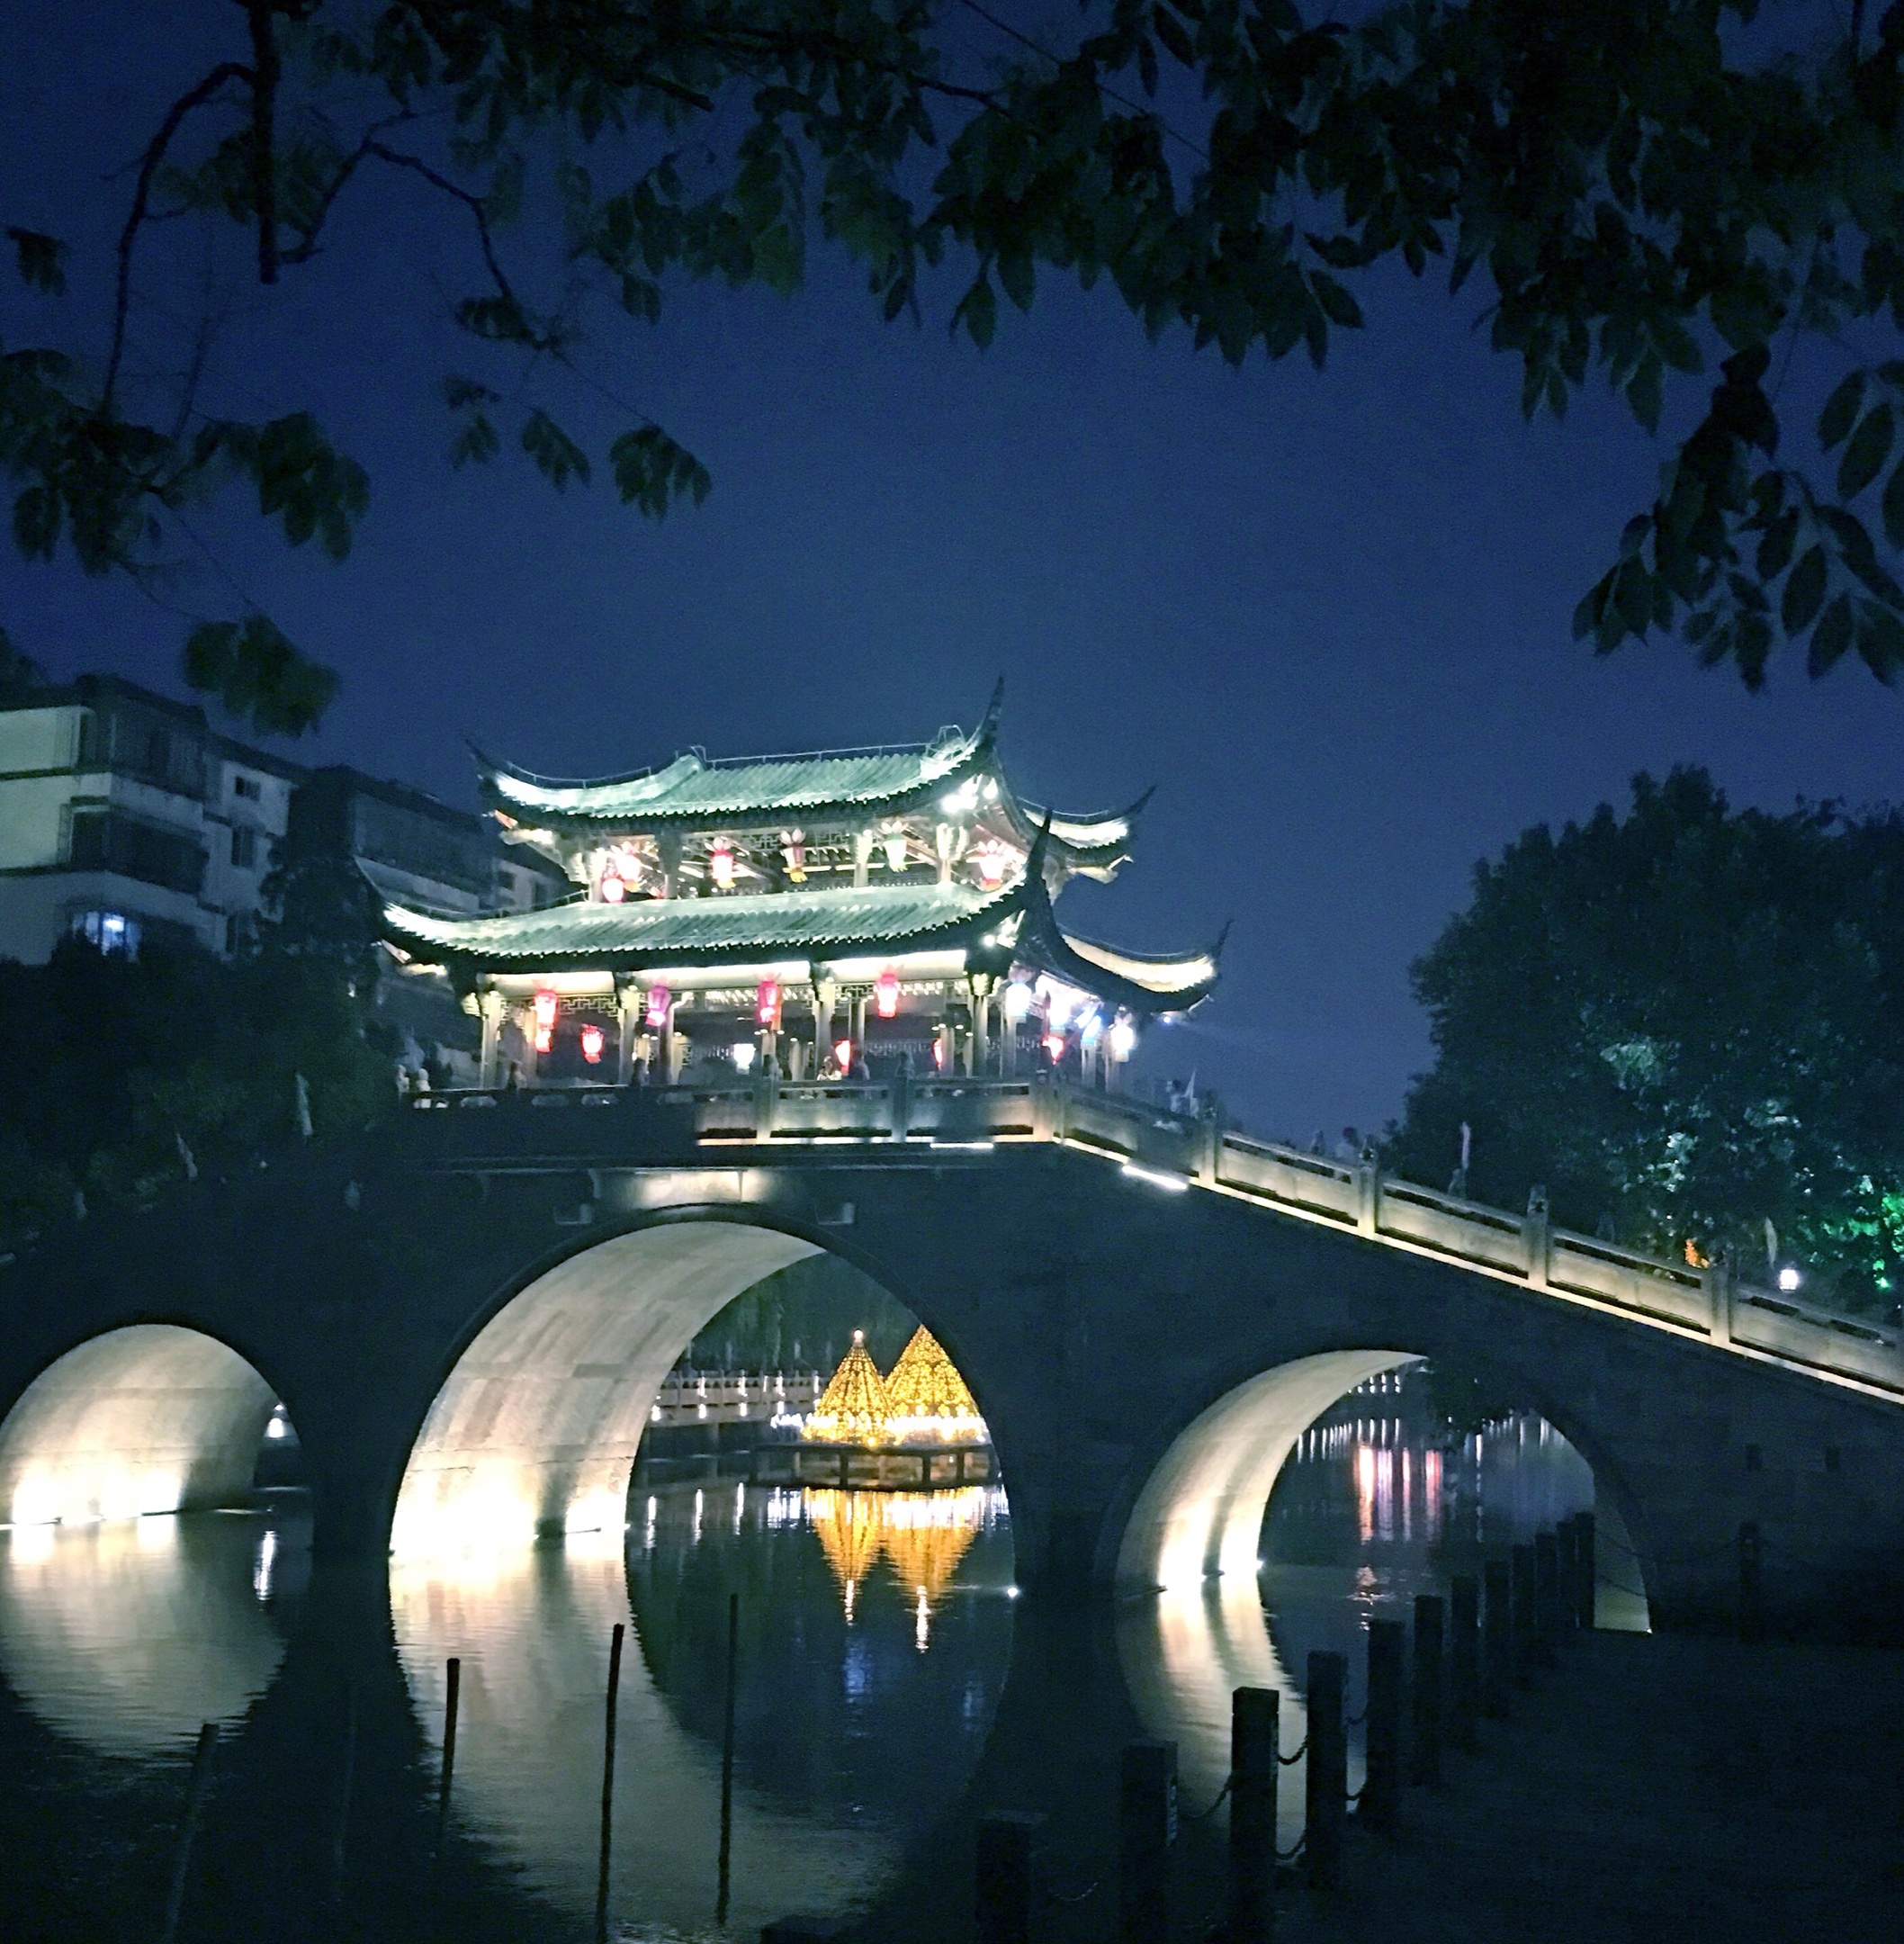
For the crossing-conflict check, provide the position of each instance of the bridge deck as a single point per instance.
(782, 1120)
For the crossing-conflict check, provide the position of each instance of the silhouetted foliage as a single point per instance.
(1685, 1022)
(1651, 188)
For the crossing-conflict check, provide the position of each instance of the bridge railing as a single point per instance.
(1198, 1150)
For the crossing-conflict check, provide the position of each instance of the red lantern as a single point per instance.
(660, 999)
(545, 1037)
(843, 1056)
(721, 866)
(767, 1004)
(592, 1045)
(546, 1003)
(614, 887)
(885, 993)
(1055, 1047)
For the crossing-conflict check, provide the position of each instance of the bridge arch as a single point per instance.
(1198, 1514)
(534, 1428)
(149, 1418)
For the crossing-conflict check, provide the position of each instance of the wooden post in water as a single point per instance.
(1147, 1831)
(1253, 1765)
(1326, 1776)
(1381, 1803)
(608, 1720)
(727, 1752)
(1498, 1618)
(1426, 1767)
(188, 1830)
(1464, 1663)
(1587, 1569)
(1751, 1581)
(1523, 1574)
(1547, 1599)
(455, 1682)
(1008, 1889)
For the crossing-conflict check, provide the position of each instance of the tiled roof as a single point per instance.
(672, 930)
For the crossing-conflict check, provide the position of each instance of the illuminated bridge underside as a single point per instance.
(1200, 1512)
(149, 1418)
(535, 1429)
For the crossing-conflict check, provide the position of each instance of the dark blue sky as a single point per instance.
(1328, 616)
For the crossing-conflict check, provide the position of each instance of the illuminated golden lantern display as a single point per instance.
(849, 1526)
(925, 1534)
(927, 1401)
(854, 1408)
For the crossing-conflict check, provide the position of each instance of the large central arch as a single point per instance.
(535, 1428)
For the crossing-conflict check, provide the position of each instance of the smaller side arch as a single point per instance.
(1200, 1511)
(150, 1417)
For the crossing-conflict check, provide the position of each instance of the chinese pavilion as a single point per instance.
(823, 916)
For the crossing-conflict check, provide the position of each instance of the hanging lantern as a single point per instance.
(1123, 1041)
(1089, 1025)
(1055, 1047)
(614, 887)
(721, 866)
(886, 995)
(896, 850)
(942, 1048)
(546, 1003)
(592, 1045)
(545, 1038)
(1018, 1001)
(660, 999)
(992, 861)
(843, 1056)
(1059, 1004)
(792, 848)
(767, 1004)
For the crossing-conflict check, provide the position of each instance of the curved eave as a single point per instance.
(418, 933)
(1093, 846)
(527, 807)
(1146, 986)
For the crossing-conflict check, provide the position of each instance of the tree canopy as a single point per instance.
(1658, 192)
(1688, 1022)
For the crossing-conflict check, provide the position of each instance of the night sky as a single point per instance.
(1327, 615)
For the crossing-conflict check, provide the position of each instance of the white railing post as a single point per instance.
(1207, 1169)
(1538, 1231)
(1717, 1276)
(1368, 1196)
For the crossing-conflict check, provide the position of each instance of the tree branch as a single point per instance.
(265, 70)
(470, 201)
(147, 168)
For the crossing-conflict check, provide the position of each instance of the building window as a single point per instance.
(244, 847)
(108, 840)
(248, 787)
(111, 931)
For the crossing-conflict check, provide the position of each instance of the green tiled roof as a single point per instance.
(691, 791)
(833, 924)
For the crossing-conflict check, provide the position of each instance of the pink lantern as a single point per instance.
(992, 861)
(721, 866)
(843, 1056)
(660, 999)
(885, 993)
(767, 1004)
(1055, 1047)
(546, 1005)
(614, 887)
(592, 1045)
(545, 1038)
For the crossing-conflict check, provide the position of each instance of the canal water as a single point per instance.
(880, 1699)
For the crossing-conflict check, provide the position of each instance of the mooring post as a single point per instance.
(1547, 1599)
(614, 1688)
(1325, 1794)
(1587, 1569)
(727, 1755)
(195, 1788)
(1008, 1890)
(454, 1684)
(1464, 1663)
(1380, 1809)
(1426, 1767)
(1146, 1831)
(1521, 1571)
(1751, 1581)
(1254, 1764)
(1498, 1619)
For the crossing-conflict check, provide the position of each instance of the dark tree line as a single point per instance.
(1687, 1024)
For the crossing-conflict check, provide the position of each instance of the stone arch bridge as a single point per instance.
(468, 1315)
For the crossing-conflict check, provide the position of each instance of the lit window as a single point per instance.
(111, 931)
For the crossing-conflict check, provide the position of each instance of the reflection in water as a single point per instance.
(874, 1643)
(1366, 1512)
(125, 1636)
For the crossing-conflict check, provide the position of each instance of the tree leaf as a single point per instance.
(1831, 637)
(556, 455)
(39, 258)
(1841, 411)
(1881, 641)
(1869, 448)
(1336, 300)
(255, 671)
(1893, 505)
(1804, 591)
(653, 472)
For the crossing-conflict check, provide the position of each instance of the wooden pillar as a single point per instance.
(862, 856)
(490, 1009)
(980, 1038)
(628, 1014)
(526, 1024)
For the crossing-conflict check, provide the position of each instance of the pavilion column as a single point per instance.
(980, 1037)
(628, 1013)
(526, 1025)
(825, 994)
(489, 1009)
(862, 858)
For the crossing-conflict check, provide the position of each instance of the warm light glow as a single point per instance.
(1059, 1003)
(767, 1004)
(546, 1005)
(1090, 1027)
(896, 850)
(614, 888)
(545, 1038)
(1123, 1041)
(843, 1056)
(721, 866)
(660, 999)
(743, 1056)
(964, 799)
(992, 861)
(1018, 1001)
(1789, 1279)
(929, 1402)
(1154, 1177)
(1053, 1045)
(854, 1406)
(886, 995)
(592, 1045)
